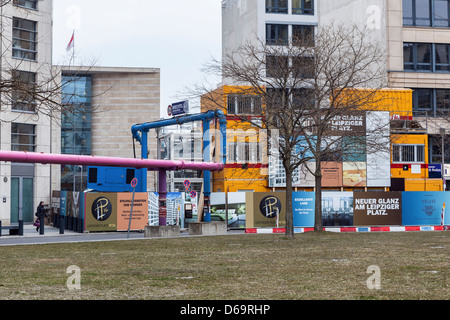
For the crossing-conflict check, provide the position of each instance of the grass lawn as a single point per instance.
(413, 265)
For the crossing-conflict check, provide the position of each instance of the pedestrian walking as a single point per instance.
(40, 214)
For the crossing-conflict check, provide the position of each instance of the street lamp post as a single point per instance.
(442, 132)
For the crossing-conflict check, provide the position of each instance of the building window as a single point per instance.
(441, 13)
(23, 137)
(303, 67)
(277, 34)
(303, 98)
(243, 152)
(303, 35)
(29, 4)
(244, 105)
(442, 57)
(276, 6)
(231, 152)
(442, 99)
(435, 148)
(426, 13)
(404, 153)
(303, 7)
(24, 39)
(23, 92)
(431, 102)
(277, 66)
(426, 57)
(417, 56)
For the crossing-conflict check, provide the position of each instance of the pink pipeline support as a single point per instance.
(153, 165)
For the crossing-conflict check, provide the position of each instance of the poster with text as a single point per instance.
(332, 174)
(422, 208)
(377, 208)
(303, 207)
(139, 217)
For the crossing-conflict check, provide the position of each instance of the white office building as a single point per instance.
(26, 57)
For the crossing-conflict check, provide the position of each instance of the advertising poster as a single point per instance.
(101, 212)
(303, 207)
(265, 209)
(435, 171)
(337, 209)
(63, 203)
(378, 149)
(421, 208)
(354, 174)
(377, 208)
(235, 201)
(175, 209)
(73, 204)
(55, 205)
(332, 174)
(303, 176)
(353, 123)
(139, 218)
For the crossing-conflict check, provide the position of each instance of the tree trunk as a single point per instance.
(318, 224)
(289, 212)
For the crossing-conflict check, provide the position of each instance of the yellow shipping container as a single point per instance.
(398, 102)
(424, 185)
(408, 169)
(238, 175)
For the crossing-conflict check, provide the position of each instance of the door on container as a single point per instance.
(22, 199)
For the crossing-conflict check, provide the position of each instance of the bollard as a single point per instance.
(20, 227)
(62, 224)
(0, 228)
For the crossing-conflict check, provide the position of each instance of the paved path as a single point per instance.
(52, 235)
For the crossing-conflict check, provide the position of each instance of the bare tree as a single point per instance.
(312, 97)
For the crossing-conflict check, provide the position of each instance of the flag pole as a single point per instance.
(73, 47)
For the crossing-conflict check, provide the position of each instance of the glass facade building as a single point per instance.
(76, 124)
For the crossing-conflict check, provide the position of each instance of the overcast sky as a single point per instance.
(177, 36)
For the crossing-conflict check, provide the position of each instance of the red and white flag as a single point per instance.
(71, 42)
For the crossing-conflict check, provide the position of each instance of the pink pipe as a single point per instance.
(154, 165)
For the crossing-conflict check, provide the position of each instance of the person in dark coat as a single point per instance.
(40, 214)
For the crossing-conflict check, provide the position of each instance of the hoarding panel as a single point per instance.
(378, 149)
(101, 212)
(236, 208)
(377, 208)
(264, 209)
(424, 208)
(354, 174)
(303, 176)
(139, 217)
(337, 209)
(332, 174)
(303, 208)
